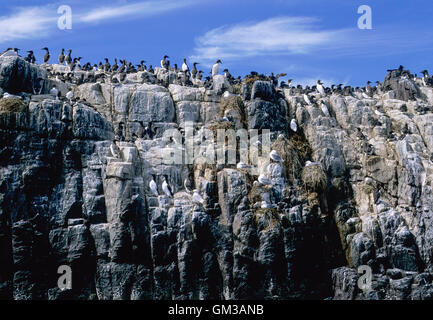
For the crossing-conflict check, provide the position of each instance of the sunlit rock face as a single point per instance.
(354, 189)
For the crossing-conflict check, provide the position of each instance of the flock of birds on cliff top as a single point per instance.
(193, 77)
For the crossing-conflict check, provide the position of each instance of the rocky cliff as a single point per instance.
(355, 189)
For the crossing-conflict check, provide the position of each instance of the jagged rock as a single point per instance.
(67, 199)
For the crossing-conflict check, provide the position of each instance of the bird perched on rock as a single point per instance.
(68, 58)
(70, 94)
(153, 187)
(62, 56)
(216, 67)
(325, 110)
(30, 57)
(149, 131)
(188, 184)
(242, 165)
(166, 187)
(46, 55)
(320, 88)
(115, 150)
(194, 70)
(264, 180)
(196, 197)
(293, 125)
(266, 205)
(165, 63)
(185, 67)
(107, 65)
(307, 99)
(10, 52)
(275, 156)
(54, 91)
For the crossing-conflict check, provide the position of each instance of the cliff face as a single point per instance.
(66, 200)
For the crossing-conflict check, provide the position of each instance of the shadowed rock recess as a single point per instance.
(364, 199)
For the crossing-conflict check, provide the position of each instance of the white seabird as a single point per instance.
(307, 99)
(7, 95)
(153, 187)
(69, 95)
(265, 205)
(187, 184)
(293, 125)
(242, 165)
(166, 188)
(216, 68)
(196, 197)
(320, 88)
(275, 156)
(264, 180)
(54, 91)
(185, 67)
(115, 150)
(325, 109)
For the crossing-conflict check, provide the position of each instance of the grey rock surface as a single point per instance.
(66, 199)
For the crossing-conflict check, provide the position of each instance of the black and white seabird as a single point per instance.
(188, 184)
(194, 70)
(153, 186)
(62, 56)
(165, 63)
(115, 150)
(68, 58)
(320, 88)
(185, 67)
(166, 187)
(216, 67)
(107, 65)
(46, 55)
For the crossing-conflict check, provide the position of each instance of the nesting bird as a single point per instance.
(115, 150)
(153, 187)
(275, 156)
(196, 197)
(293, 125)
(166, 187)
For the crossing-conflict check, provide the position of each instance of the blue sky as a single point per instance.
(308, 39)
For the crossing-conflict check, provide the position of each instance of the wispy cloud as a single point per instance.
(25, 23)
(41, 21)
(280, 35)
(147, 8)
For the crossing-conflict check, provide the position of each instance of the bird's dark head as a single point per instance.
(16, 49)
(226, 70)
(165, 57)
(219, 61)
(45, 48)
(184, 60)
(106, 59)
(30, 51)
(368, 82)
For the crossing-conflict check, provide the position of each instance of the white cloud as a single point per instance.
(147, 8)
(280, 35)
(26, 23)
